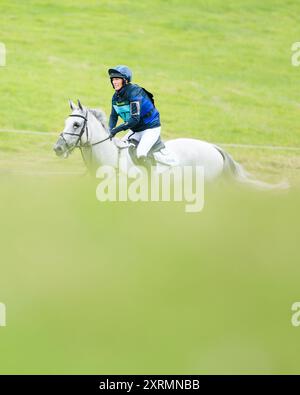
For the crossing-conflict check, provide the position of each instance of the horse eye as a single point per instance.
(76, 125)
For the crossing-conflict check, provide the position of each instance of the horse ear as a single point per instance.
(72, 105)
(79, 105)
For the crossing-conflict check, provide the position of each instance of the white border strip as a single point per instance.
(28, 132)
(254, 146)
(46, 173)
(257, 146)
(42, 173)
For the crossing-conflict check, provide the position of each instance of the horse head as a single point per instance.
(75, 131)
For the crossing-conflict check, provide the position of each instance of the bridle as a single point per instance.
(84, 128)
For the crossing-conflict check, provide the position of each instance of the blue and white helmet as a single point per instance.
(120, 71)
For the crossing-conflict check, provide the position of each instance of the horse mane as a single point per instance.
(100, 116)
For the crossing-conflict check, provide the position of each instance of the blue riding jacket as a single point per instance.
(135, 107)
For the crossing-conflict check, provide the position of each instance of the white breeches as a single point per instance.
(147, 138)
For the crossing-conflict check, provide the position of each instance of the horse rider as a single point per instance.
(136, 107)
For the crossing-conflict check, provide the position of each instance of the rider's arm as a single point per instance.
(113, 119)
(135, 115)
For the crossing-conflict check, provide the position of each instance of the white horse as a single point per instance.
(87, 130)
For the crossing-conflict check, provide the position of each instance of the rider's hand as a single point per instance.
(112, 133)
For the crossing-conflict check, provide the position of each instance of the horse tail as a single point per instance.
(235, 170)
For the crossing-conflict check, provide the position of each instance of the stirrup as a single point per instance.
(147, 161)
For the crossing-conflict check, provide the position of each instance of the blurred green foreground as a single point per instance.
(137, 288)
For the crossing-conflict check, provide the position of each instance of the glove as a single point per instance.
(112, 134)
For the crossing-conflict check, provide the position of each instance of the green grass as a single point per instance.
(219, 71)
(147, 288)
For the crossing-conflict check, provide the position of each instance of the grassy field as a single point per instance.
(219, 71)
(147, 288)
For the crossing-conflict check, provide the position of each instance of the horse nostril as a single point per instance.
(58, 150)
